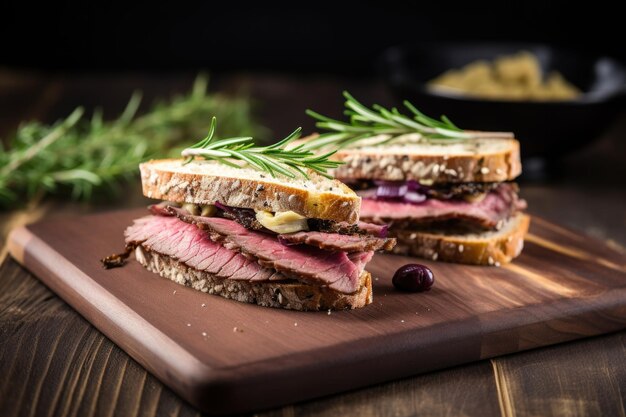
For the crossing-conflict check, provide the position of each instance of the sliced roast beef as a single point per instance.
(326, 241)
(360, 259)
(489, 213)
(306, 263)
(373, 229)
(160, 209)
(188, 244)
(337, 242)
(247, 218)
(360, 228)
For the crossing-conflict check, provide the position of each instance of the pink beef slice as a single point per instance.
(305, 263)
(308, 264)
(497, 206)
(191, 246)
(337, 242)
(321, 240)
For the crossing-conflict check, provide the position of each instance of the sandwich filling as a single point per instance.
(447, 208)
(239, 244)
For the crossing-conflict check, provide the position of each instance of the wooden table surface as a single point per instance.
(54, 363)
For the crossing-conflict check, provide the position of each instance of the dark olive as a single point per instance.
(413, 278)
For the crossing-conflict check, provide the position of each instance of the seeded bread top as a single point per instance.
(207, 182)
(472, 160)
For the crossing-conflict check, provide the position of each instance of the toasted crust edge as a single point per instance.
(489, 167)
(288, 295)
(495, 250)
(237, 192)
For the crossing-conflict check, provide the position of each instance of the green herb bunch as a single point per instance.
(80, 155)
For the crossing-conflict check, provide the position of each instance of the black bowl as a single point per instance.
(547, 129)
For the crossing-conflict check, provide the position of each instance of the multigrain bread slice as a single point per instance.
(206, 182)
(488, 248)
(472, 160)
(290, 294)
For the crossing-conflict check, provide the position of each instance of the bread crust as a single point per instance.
(290, 294)
(493, 249)
(370, 164)
(161, 183)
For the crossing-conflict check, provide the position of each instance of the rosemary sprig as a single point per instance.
(82, 156)
(381, 126)
(278, 158)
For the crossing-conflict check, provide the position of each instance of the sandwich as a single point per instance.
(262, 225)
(445, 193)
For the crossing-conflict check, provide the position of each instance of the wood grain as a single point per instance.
(443, 393)
(551, 393)
(551, 294)
(54, 363)
(590, 199)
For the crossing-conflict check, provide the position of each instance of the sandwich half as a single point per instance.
(446, 194)
(243, 234)
(451, 202)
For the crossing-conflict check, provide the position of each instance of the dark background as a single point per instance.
(305, 37)
(287, 58)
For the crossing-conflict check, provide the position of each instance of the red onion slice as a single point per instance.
(391, 191)
(407, 192)
(416, 186)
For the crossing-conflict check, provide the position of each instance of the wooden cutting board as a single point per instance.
(227, 357)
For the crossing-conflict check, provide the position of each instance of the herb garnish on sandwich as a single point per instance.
(446, 193)
(265, 225)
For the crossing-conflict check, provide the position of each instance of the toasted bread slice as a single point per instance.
(488, 248)
(472, 160)
(289, 294)
(207, 182)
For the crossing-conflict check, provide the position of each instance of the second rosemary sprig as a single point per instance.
(387, 124)
(277, 158)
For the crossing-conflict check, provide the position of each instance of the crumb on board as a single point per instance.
(203, 305)
(188, 324)
(204, 334)
(237, 330)
(329, 311)
(174, 292)
(296, 324)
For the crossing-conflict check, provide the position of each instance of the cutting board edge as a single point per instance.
(182, 372)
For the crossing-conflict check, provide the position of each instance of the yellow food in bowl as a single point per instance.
(511, 77)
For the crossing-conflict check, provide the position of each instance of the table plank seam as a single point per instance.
(502, 388)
